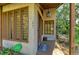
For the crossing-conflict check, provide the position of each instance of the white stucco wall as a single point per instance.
(31, 46)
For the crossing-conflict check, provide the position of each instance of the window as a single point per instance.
(17, 21)
(18, 24)
(24, 24)
(10, 24)
(48, 27)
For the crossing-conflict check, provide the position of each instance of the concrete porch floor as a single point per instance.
(51, 44)
(52, 49)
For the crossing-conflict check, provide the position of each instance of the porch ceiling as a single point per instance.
(50, 5)
(1, 4)
(44, 5)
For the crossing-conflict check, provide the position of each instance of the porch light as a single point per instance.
(48, 14)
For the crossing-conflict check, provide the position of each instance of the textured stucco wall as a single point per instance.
(31, 46)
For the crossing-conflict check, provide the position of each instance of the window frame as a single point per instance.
(47, 27)
(22, 40)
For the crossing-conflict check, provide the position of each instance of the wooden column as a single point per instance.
(0, 27)
(72, 29)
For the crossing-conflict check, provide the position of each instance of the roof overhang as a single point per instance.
(50, 5)
(44, 5)
(2, 4)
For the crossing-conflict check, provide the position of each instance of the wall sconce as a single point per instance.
(48, 13)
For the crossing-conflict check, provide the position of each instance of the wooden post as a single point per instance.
(72, 29)
(1, 27)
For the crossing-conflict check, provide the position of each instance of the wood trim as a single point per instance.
(26, 41)
(13, 27)
(21, 25)
(19, 6)
(14, 37)
(1, 28)
(8, 24)
(48, 24)
(54, 28)
(40, 6)
(43, 27)
(72, 29)
(5, 26)
(39, 11)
